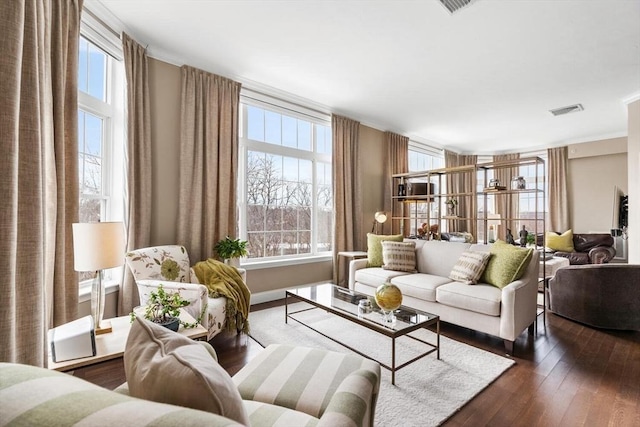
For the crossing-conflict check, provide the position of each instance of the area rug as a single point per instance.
(426, 392)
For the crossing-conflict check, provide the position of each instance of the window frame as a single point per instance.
(251, 98)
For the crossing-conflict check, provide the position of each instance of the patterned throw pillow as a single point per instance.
(507, 263)
(374, 247)
(399, 256)
(470, 267)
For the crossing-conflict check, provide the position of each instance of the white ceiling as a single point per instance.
(479, 81)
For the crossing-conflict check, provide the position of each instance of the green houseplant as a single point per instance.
(229, 248)
(163, 308)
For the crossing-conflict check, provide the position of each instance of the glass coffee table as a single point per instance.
(344, 302)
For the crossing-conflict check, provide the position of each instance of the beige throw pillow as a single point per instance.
(399, 256)
(166, 367)
(470, 266)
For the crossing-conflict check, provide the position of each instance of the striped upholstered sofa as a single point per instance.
(282, 386)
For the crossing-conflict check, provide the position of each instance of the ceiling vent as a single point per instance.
(566, 110)
(455, 5)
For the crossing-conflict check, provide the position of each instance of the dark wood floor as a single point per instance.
(566, 375)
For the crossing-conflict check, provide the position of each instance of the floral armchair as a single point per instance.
(169, 265)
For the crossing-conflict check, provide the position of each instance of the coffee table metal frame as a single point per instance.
(394, 331)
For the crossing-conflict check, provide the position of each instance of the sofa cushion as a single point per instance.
(560, 242)
(481, 298)
(470, 267)
(421, 286)
(374, 247)
(166, 367)
(507, 263)
(265, 414)
(399, 256)
(438, 258)
(376, 276)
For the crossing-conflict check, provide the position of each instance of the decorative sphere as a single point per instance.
(388, 297)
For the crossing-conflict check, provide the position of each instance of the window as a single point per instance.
(97, 117)
(534, 176)
(101, 129)
(285, 185)
(422, 158)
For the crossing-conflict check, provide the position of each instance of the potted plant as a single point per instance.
(229, 249)
(163, 308)
(451, 205)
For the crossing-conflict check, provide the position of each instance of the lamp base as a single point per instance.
(104, 328)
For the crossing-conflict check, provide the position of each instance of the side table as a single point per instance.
(349, 256)
(111, 345)
(545, 273)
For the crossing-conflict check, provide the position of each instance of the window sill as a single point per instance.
(260, 265)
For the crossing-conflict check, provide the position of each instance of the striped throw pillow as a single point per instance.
(399, 256)
(470, 267)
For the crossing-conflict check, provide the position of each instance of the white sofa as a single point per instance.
(504, 313)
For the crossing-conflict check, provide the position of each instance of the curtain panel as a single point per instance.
(507, 205)
(38, 173)
(467, 206)
(208, 161)
(139, 177)
(396, 161)
(558, 168)
(348, 229)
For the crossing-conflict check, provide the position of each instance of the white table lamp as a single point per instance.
(98, 246)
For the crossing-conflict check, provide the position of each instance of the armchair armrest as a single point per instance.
(195, 294)
(354, 266)
(354, 400)
(601, 254)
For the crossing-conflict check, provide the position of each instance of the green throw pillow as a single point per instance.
(507, 263)
(374, 247)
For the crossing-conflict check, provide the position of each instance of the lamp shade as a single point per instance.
(98, 245)
(380, 216)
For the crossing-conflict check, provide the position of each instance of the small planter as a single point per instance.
(172, 323)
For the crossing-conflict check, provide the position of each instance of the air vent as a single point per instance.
(455, 5)
(566, 110)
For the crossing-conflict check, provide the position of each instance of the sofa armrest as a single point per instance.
(519, 307)
(354, 400)
(354, 266)
(601, 254)
(33, 396)
(197, 296)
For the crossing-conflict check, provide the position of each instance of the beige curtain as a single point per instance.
(558, 167)
(348, 227)
(208, 161)
(467, 206)
(452, 183)
(38, 173)
(396, 161)
(507, 205)
(139, 177)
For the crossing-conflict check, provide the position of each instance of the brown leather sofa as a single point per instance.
(604, 296)
(590, 248)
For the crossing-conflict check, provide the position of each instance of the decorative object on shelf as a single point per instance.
(531, 239)
(96, 247)
(163, 308)
(389, 298)
(428, 232)
(509, 237)
(493, 221)
(451, 203)
(402, 190)
(523, 236)
(494, 185)
(231, 250)
(518, 183)
(380, 217)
